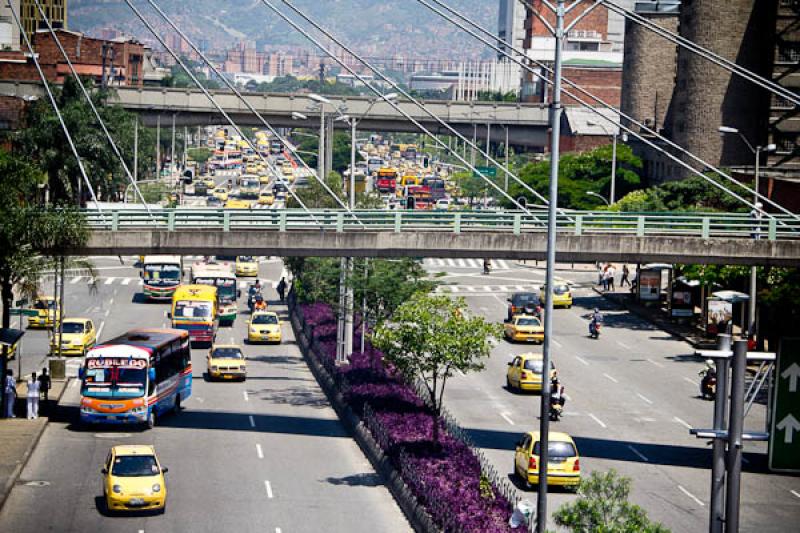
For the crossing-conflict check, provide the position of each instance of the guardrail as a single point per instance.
(702, 225)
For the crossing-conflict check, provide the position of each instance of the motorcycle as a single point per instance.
(708, 386)
(556, 410)
(594, 329)
(252, 297)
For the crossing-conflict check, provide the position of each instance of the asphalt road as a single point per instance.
(268, 454)
(633, 394)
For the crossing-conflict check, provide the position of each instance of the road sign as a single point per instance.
(21, 303)
(16, 311)
(490, 172)
(784, 435)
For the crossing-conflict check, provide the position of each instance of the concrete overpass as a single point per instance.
(527, 124)
(582, 236)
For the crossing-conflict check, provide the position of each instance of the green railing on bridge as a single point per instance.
(702, 225)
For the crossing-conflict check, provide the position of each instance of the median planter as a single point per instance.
(446, 483)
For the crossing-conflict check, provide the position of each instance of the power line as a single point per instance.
(91, 104)
(250, 107)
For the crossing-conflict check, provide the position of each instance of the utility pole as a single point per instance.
(103, 78)
(717, 500)
(613, 170)
(321, 151)
(172, 154)
(488, 140)
(735, 441)
(135, 148)
(555, 137)
(348, 297)
(158, 146)
(505, 149)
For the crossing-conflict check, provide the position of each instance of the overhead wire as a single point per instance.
(251, 108)
(91, 104)
(54, 104)
(608, 107)
(366, 83)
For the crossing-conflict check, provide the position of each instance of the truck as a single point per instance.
(386, 180)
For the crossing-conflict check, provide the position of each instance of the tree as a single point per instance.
(28, 232)
(199, 155)
(429, 338)
(578, 174)
(44, 143)
(690, 194)
(341, 150)
(602, 507)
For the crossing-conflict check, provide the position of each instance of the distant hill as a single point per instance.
(378, 28)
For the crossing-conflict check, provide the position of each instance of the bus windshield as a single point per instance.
(192, 309)
(114, 377)
(159, 272)
(226, 287)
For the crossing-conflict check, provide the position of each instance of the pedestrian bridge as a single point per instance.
(527, 123)
(702, 238)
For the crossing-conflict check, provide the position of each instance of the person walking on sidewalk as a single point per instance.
(625, 273)
(33, 397)
(11, 393)
(606, 274)
(44, 383)
(282, 289)
(611, 273)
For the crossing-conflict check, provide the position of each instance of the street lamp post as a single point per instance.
(756, 150)
(612, 195)
(592, 193)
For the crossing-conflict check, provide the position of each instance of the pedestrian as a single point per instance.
(606, 274)
(611, 273)
(282, 289)
(625, 273)
(601, 270)
(44, 383)
(33, 397)
(11, 393)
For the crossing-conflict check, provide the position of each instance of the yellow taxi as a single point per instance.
(562, 296)
(266, 198)
(263, 177)
(226, 361)
(525, 372)
(524, 328)
(264, 326)
(221, 193)
(251, 169)
(78, 336)
(236, 203)
(133, 479)
(47, 308)
(563, 465)
(246, 265)
(209, 182)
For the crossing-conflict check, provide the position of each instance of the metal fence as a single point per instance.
(703, 225)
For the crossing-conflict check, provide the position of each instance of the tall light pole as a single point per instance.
(612, 195)
(597, 195)
(751, 304)
(321, 100)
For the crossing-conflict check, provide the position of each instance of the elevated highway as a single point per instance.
(582, 236)
(527, 124)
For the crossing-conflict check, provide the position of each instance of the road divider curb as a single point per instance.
(416, 515)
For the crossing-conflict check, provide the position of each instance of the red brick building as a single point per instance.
(123, 58)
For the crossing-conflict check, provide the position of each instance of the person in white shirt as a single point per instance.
(33, 397)
(11, 393)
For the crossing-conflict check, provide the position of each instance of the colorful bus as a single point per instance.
(221, 276)
(136, 377)
(194, 309)
(161, 275)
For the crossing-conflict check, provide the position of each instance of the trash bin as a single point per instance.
(58, 369)
(522, 514)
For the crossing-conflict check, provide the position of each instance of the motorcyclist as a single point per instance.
(557, 399)
(487, 266)
(709, 375)
(260, 304)
(595, 321)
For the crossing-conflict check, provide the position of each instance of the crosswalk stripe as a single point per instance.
(461, 263)
(503, 288)
(126, 281)
(502, 265)
(450, 262)
(470, 288)
(474, 263)
(75, 280)
(453, 288)
(520, 287)
(109, 281)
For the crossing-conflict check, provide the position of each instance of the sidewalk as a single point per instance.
(19, 436)
(686, 331)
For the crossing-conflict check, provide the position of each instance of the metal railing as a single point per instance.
(702, 225)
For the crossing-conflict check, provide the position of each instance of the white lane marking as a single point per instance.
(277, 530)
(75, 280)
(232, 340)
(454, 288)
(252, 421)
(557, 343)
(111, 301)
(659, 365)
(624, 345)
(692, 496)
(503, 288)
(795, 493)
(644, 398)
(269, 488)
(682, 422)
(100, 329)
(246, 398)
(602, 424)
(690, 380)
(611, 378)
(141, 282)
(110, 280)
(582, 360)
(108, 312)
(166, 313)
(126, 281)
(640, 454)
(141, 531)
(507, 418)
(470, 288)
(74, 383)
(259, 451)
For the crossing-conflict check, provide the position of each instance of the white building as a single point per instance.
(9, 31)
(511, 24)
